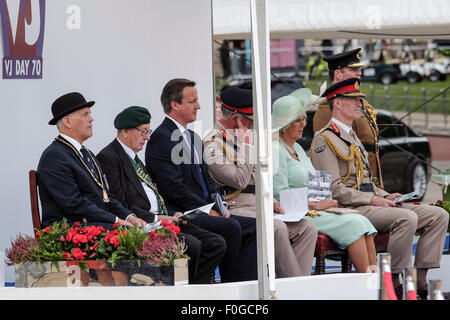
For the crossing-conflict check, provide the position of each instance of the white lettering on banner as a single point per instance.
(33, 30)
(22, 67)
(74, 20)
(373, 17)
(13, 10)
(8, 67)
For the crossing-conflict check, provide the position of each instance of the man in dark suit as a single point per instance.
(174, 157)
(130, 183)
(71, 182)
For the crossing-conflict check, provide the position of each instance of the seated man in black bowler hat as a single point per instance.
(130, 183)
(71, 182)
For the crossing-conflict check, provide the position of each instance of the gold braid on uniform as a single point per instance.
(354, 154)
(373, 115)
(229, 157)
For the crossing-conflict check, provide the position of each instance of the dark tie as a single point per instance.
(197, 168)
(88, 161)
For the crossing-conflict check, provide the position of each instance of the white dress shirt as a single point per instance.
(184, 131)
(341, 125)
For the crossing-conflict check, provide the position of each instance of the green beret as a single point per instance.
(132, 117)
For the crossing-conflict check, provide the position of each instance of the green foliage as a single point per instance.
(130, 240)
(50, 247)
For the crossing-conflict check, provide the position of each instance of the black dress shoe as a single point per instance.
(422, 294)
(399, 291)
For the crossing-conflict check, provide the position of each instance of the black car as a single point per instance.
(401, 171)
(382, 72)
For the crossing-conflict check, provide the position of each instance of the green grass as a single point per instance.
(394, 97)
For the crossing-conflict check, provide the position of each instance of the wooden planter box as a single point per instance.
(124, 273)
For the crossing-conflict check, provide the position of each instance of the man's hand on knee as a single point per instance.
(381, 202)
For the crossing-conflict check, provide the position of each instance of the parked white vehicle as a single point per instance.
(413, 72)
(437, 70)
(416, 70)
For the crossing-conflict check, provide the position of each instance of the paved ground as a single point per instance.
(440, 152)
(436, 124)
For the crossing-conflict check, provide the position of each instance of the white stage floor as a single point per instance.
(352, 286)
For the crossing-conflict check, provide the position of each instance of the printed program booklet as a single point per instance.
(319, 185)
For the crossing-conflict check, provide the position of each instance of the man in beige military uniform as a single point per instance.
(231, 160)
(337, 148)
(341, 67)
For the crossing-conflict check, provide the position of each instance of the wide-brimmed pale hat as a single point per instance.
(287, 109)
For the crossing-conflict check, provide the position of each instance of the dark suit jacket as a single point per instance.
(123, 181)
(66, 189)
(167, 158)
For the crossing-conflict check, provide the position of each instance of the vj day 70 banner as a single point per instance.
(23, 24)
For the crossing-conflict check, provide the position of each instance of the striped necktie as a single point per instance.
(142, 173)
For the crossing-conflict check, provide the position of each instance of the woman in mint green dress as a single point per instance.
(291, 167)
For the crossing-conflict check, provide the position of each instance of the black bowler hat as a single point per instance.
(344, 59)
(68, 103)
(238, 100)
(346, 88)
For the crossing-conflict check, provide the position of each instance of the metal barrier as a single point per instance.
(424, 109)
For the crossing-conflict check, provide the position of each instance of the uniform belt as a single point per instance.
(371, 147)
(366, 187)
(248, 189)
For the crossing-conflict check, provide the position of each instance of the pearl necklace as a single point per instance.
(291, 151)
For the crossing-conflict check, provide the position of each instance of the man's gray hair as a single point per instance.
(226, 113)
(59, 124)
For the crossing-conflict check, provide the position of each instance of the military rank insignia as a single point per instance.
(334, 127)
(224, 134)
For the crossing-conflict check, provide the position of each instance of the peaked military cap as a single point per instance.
(238, 100)
(346, 88)
(345, 59)
(132, 117)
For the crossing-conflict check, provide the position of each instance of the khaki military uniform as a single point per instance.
(353, 189)
(231, 165)
(366, 131)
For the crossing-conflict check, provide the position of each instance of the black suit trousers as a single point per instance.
(206, 250)
(239, 262)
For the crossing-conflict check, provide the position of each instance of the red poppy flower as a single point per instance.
(78, 254)
(153, 235)
(115, 225)
(76, 224)
(66, 256)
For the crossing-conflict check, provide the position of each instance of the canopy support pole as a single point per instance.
(263, 125)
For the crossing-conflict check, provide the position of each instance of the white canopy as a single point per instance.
(331, 19)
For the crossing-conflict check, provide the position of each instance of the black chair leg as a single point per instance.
(320, 265)
(346, 264)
